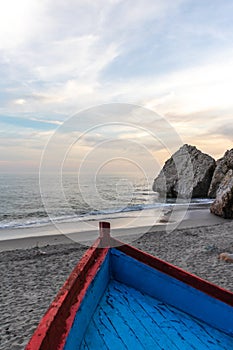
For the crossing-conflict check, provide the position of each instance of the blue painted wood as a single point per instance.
(195, 334)
(174, 324)
(85, 347)
(107, 328)
(89, 304)
(138, 322)
(96, 337)
(202, 332)
(169, 290)
(129, 319)
(124, 325)
(129, 305)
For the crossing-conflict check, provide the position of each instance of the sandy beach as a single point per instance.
(30, 278)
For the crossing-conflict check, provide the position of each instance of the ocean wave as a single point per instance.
(91, 215)
(6, 223)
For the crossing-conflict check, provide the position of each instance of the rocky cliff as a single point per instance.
(188, 173)
(223, 204)
(223, 165)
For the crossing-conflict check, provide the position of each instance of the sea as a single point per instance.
(25, 201)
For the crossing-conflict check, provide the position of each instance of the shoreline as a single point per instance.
(121, 228)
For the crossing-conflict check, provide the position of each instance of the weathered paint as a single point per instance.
(84, 314)
(52, 331)
(104, 233)
(176, 272)
(159, 285)
(142, 309)
(74, 304)
(128, 319)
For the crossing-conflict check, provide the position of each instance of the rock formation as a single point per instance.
(223, 204)
(186, 174)
(223, 165)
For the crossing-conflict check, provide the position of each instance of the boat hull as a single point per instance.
(122, 298)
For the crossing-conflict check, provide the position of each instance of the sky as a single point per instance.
(57, 58)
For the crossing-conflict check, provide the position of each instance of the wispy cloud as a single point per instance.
(30, 122)
(172, 56)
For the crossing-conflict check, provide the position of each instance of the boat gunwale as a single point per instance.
(176, 272)
(55, 325)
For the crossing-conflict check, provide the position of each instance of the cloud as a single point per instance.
(197, 88)
(224, 129)
(29, 123)
(60, 67)
(172, 56)
(61, 62)
(81, 57)
(18, 22)
(21, 150)
(51, 122)
(19, 101)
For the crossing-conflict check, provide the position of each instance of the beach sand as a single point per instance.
(30, 278)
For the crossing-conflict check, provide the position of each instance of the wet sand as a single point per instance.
(30, 278)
